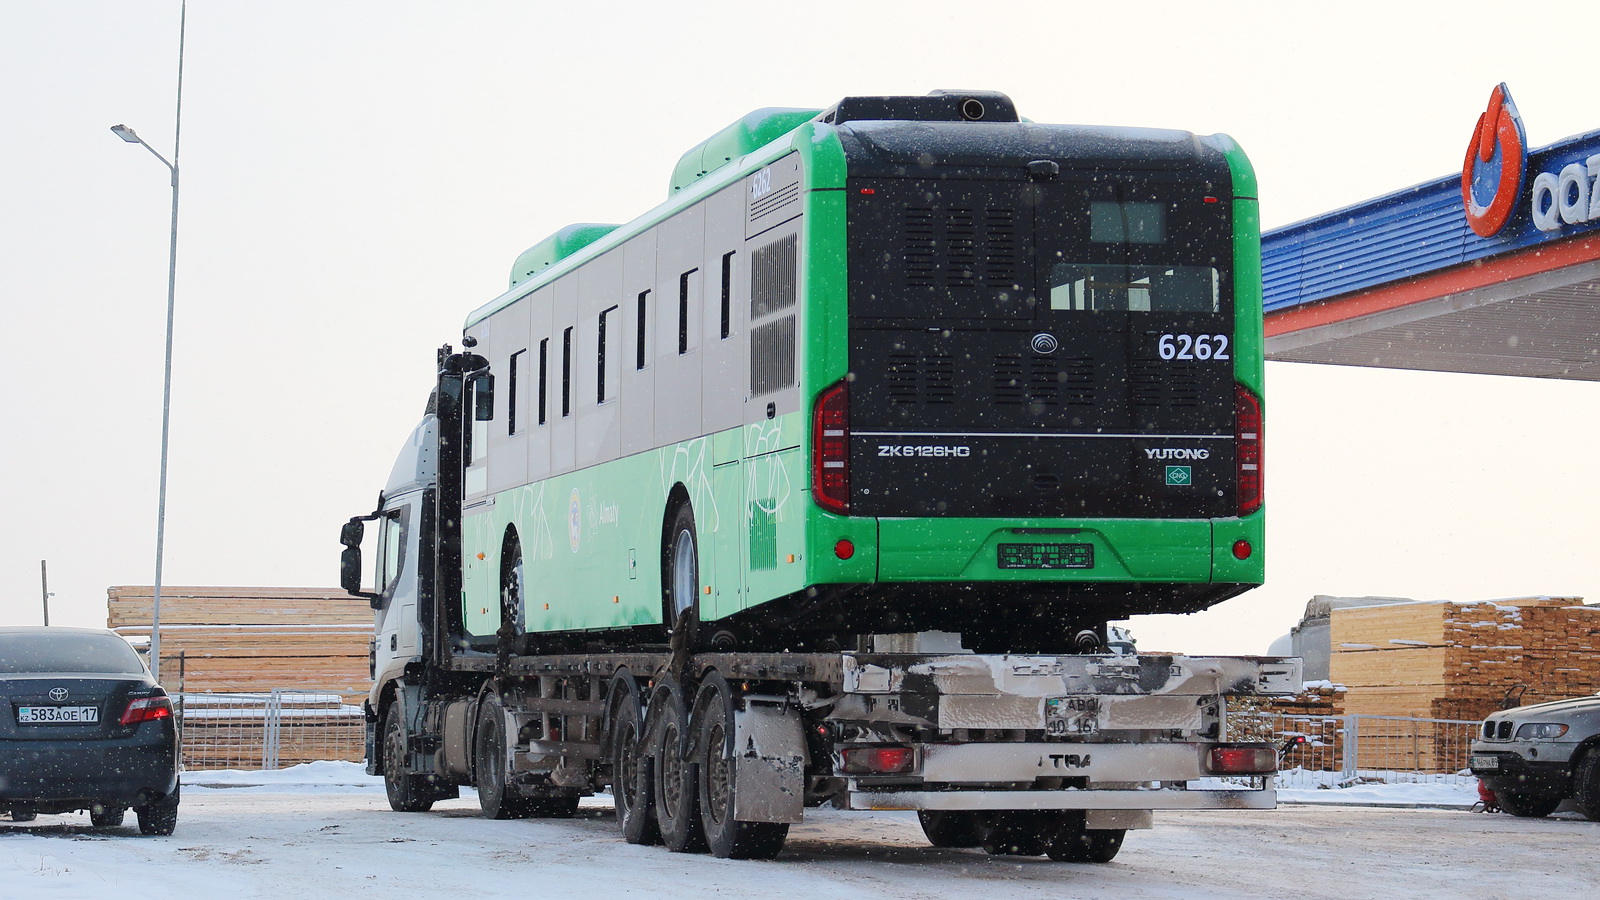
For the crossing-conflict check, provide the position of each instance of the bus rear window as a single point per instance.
(1096, 287)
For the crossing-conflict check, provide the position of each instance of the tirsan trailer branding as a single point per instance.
(820, 482)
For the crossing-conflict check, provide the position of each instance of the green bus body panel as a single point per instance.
(555, 248)
(591, 540)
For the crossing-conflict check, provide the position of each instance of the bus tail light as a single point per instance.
(830, 450)
(1247, 447)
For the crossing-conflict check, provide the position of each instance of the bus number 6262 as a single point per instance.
(1192, 346)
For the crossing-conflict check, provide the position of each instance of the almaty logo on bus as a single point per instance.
(1491, 175)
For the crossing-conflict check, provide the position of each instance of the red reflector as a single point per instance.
(1243, 760)
(145, 709)
(1242, 549)
(830, 450)
(844, 549)
(1211, 199)
(1247, 447)
(868, 191)
(878, 760)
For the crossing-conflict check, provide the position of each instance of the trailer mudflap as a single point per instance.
(769, 756)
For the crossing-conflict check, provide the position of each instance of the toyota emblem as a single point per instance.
(58, 694)
(1044, 342)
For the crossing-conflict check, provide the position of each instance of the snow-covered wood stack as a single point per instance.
(1462, 660)
(252, 639)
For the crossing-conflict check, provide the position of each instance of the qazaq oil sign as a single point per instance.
(1493, 173)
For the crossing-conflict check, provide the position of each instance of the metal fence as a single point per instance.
(268, 731)
(1339, 751)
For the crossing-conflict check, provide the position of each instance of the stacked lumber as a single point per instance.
(252, 639)
(1463, 660)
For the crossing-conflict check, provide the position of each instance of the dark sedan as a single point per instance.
(84, 726)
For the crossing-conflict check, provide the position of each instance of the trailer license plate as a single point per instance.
(1483, 762)
(58, 715)
(1046, 556)
(1072, 715)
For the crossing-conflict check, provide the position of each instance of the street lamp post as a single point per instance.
(127, 134)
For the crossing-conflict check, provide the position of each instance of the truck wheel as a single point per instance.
(1013, 833)
(24, 816)
(1072, 842)
(717, 785)
(106, 816)
(950, 827)
(674, 792)
(630, 768)
(407, 793)
(495, 795)
(1586, 781)
(1527, 806)
(680, 571)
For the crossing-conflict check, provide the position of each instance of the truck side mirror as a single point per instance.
(350, 535)
(483, 397)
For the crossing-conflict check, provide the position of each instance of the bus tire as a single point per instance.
(630, 766)
(717, 786)
(673, 782)
(680, 572)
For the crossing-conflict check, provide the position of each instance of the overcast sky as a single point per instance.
(358, 176)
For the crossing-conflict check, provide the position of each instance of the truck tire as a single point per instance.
(674, 789)
(496, 797)
(680, 573)
(407, 793)
(24, 816)
(717, 786)
(1586, 784)
(956, 828)
(1013, 833)
(1072, 842)
(1526, 805)
(630, 766)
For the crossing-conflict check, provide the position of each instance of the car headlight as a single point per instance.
(1537, 731)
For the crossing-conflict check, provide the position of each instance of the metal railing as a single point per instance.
(269, 730)
(1339, 751)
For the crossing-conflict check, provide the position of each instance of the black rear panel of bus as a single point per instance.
(1041, 322)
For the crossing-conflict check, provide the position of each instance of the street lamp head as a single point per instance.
(126, 133)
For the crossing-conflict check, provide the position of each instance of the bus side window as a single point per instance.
(544, 378)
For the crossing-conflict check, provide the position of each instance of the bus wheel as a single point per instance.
(630, 767)
(673, 788)
(680, 572)
(1072, 842)
(496, 796)
(716, 784)
(509, 634)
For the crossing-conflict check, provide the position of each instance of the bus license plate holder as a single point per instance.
(1045, 556)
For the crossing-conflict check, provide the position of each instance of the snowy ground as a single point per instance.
(326, 831)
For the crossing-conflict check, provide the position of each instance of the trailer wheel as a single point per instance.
(495, 797)
(407, 793)
(630, 767)
(717, 785)
(1013, 833)
(951, 827)
(1072, 842)
(680, 572)
(674, 790)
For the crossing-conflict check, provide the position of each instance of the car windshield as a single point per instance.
(36, 653)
